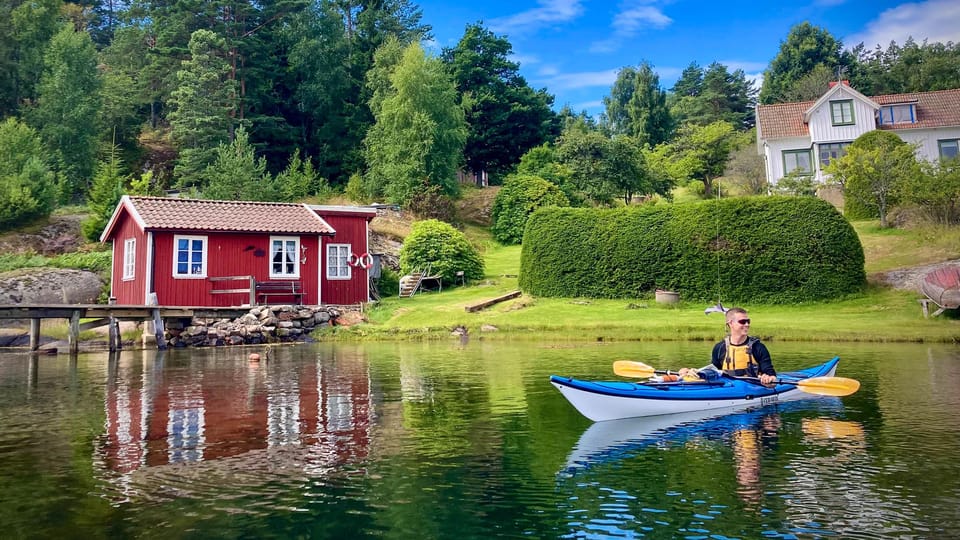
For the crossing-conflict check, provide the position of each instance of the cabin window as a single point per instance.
(897, 114)
(841, 112)
(949, 148)
(284, 257)
(338, 261)
(797, 161)
(129, 258)
(190, 256)
(832, 151)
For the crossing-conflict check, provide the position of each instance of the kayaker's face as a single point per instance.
(739, 325)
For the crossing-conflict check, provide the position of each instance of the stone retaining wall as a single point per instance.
(266, 324)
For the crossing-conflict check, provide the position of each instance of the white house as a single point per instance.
(805, 136)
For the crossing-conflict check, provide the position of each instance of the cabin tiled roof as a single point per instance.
(940, 108)
(782, 120)
(159, 213)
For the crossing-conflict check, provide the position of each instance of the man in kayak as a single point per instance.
(738, 355)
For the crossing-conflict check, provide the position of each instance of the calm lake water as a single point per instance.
(466, 440)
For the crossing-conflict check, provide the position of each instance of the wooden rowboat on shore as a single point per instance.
(942, 287)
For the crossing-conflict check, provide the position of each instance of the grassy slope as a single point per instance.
(879, 314)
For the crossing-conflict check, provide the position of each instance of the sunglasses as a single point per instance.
(743, 321)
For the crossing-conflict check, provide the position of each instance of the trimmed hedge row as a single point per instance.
(756, 249)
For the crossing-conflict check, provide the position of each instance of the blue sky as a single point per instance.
(573, 48)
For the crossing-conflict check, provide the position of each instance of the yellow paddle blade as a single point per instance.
(629, 368)
(829, 386)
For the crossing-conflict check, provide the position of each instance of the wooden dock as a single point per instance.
(109, 315)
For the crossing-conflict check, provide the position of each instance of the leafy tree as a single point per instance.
(805, 48)
(418, 137)
(105, 194)
(746, 168)
(66, 112)
(936, 192)
(877, 164)
(27, 185)
(637, 106)
(445, 249)
(912, 67)
(706, 96)
(28, 29)
(697, 153)
(604, 168)
(520, 196)
(505, 116)
(797, 183)
(237, 174)
(542, 161)
(811, 85)
(203, 104)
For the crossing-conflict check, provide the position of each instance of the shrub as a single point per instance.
(520, 196)
(28, 187)
(769, 249)
(445, 249)
(430, 202)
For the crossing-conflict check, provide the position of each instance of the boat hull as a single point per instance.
(600, 401)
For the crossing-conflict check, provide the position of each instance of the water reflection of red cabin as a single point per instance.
(177, 251)
(156, 417)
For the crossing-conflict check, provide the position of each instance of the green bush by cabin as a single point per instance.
(757, 249)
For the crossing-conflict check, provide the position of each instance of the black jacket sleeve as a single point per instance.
(718, 354)
(762, 356)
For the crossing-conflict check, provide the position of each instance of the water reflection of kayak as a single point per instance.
(616, 439)
(619, 399)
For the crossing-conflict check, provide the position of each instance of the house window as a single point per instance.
(841, 112)
(338, 261)
(190, 256)
(284, 257)
(897, 114)
(129, 258)
(949, 148)
(832, 151)
(797, 161)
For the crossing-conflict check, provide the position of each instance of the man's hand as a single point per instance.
(767, 380)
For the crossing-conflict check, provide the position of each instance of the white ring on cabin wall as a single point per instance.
(365, 261)
(353, 260)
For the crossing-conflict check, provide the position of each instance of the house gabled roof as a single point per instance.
(935, 109)
(170, 214)
(830, 94)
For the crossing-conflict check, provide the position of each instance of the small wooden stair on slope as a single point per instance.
(413, 282)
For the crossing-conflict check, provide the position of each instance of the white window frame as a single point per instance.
(203, 251)
(129, 259)
(285, 244)
(338, 261)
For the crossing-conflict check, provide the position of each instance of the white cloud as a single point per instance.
(550, 12)
(583, 79)
(933, 20)
(634, 17)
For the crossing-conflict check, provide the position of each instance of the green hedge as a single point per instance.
(756, 249)
(519, 197)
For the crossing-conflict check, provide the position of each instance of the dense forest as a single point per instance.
(290, 99)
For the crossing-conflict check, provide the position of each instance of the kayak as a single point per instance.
(612, 400)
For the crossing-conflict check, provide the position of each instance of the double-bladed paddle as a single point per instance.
(822, 386)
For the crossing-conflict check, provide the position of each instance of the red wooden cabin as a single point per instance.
(178, 252)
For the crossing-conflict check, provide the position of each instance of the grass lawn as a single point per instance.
(877, 314)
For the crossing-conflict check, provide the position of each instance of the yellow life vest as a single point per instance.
(738, 359)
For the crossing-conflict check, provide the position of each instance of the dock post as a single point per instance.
(158, 329)
(34, 334)
(73, 337)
